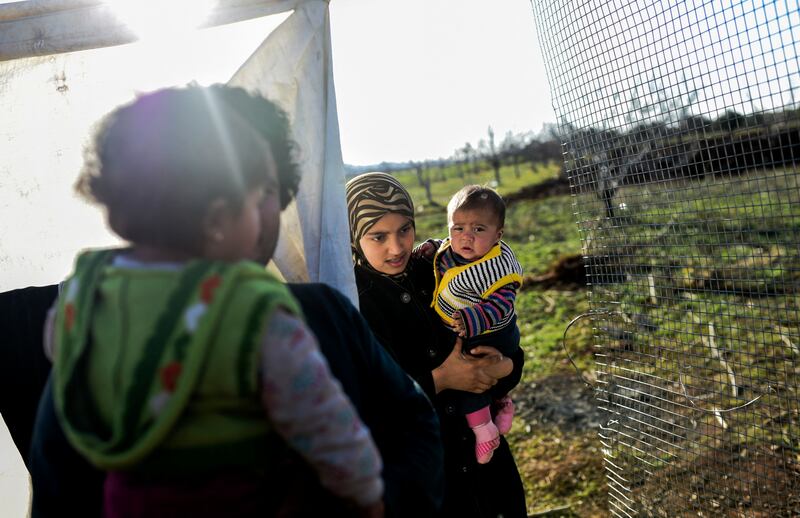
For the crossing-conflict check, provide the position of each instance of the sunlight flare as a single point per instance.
(152, 19)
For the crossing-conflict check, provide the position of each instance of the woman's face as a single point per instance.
(387, 244)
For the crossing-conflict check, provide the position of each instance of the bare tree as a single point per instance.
(645, 149)
(441, 164)
(458, 161)
(493, 156)
(424, 179)
(471, 158)
(481, 151)
(511, 149)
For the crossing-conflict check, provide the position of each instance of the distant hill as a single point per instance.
(386, 167)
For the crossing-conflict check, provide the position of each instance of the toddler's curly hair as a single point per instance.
(157, 163)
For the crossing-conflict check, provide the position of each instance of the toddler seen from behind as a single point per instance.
(181, 366)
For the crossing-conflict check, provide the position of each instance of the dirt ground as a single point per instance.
(736, 483)
(563, 463)
(560, 400)
(558, 452)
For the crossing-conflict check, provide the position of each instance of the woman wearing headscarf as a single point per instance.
(395, 292)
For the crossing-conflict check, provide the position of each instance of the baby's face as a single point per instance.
(474, 232)
(252, 232)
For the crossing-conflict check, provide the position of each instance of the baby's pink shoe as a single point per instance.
(504, 415)
(487, 438)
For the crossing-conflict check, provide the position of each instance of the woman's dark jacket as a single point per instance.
(398, 310)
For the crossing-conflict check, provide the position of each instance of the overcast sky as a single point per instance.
(417, 78)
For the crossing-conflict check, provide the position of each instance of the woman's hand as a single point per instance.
(476, 372)
(424, 250)
(498, 366)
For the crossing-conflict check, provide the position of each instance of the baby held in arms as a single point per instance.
(477, 277)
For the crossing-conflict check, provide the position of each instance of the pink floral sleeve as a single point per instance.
(308, 408)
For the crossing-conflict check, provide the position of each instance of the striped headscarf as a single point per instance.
(371, 196)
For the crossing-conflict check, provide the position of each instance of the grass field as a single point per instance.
(560, 464)
(699, 361)
(703, 274)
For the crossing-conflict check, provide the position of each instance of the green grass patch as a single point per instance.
(703, 278)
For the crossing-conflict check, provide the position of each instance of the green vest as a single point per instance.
(165, 363)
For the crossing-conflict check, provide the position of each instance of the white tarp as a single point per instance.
(293, 67)
(15, 492)
(52, 90)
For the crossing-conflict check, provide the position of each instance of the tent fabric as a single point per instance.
(293, 68)
(53, 88)
(45, 27)
(15, 485)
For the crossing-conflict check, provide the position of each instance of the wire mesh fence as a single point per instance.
(681, 129)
